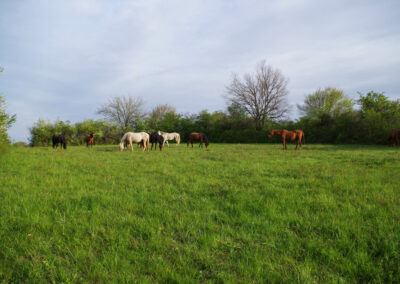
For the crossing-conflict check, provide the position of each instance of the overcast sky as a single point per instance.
(63, 59)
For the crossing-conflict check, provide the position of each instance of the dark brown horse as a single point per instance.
(89, 139)
(155, 138)
(59, 139)
(394, 137)
(195, 136)
(297, 135)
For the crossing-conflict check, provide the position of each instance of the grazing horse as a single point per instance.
(89, 139)
(135, 137)
(59, 139)
(155, 138)
(394, 137)
(195, 136)
(297, 135)
(170, 136)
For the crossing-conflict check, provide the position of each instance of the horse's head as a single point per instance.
(206, 142)
(121, 146)
(273, 132)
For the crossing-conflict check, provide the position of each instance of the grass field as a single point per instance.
(232, 213)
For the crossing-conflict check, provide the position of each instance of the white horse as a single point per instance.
(170, 136)
(135, 137)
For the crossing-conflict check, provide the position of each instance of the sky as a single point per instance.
(63, 59)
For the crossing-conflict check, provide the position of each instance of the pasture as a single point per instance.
(231, 213)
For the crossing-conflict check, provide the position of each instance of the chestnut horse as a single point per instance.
(195, 136)
(394, 137)
(89, 139)
(297, 135)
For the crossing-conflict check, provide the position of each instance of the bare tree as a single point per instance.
(124, 111)
(262, 95)
(161, 110)
(158, 113)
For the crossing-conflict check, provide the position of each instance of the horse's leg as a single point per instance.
(167, 143)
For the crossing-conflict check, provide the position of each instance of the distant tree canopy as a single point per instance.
(332, 120)
(327, 102)
(6, 120)
(256, 103)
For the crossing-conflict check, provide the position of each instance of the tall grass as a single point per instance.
(232, 213)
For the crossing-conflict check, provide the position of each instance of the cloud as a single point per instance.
(64, 59)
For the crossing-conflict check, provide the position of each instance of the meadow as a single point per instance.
(231, 213)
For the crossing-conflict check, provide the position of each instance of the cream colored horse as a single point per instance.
(170, 136)
(135, 137)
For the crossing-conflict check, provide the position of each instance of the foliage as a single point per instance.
(6, 120)
(329, 118)
(329, 102)
(232, 213)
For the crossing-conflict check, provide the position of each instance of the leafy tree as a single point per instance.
(379, 116)
(6, 120)
(379, 103)
(325, 104)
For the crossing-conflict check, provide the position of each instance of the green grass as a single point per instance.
(232, 213)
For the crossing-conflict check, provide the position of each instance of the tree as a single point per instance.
(262, 95)
(327, 103)
(124, 111)
(379, 103)
(158, 114)
(6, 120)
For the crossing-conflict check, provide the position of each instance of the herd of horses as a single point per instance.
(143, 139)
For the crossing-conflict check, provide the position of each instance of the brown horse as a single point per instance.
(195, 136)
(89, 139)
(297, 135)
(394, 137)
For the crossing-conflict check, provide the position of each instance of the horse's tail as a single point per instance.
(178, 139)
(148, 143)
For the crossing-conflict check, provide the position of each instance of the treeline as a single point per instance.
(328, 116)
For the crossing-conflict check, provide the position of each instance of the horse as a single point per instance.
(394, 137)
(59, 139)
(155, 138)
(297, 135)
(89, 139)
(195, 136)
(135, 137)
(170, 136)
